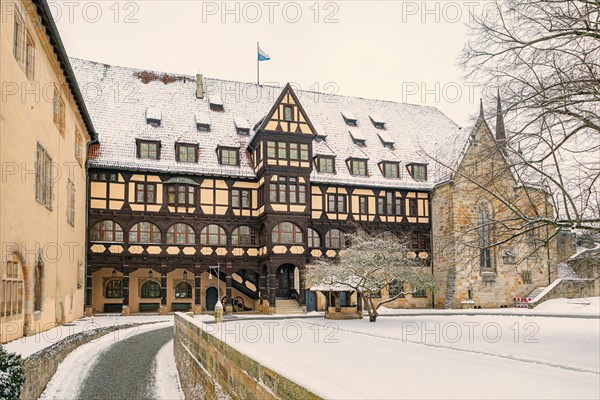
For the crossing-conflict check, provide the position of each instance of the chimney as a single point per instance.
(500, 131)
(199, 91)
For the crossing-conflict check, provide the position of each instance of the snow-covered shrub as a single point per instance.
(11, 375)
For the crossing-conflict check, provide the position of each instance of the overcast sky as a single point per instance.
(392, 50)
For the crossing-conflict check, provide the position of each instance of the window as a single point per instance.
(70, 202)
(43, 177)
(107, 231)
(271, 149)
(420, 241)
(484, 230)
(418, 293)
(19, 39)
(213, 235)
(363, 204)
(114, 289)
(149, 150)
(186, 152)
(314, 240)
(395, 288)
(419, 172)
(181, 195)
(391, 170)
(216, 107)
(203, 127)
(145, 193)
(103, 177)
(334, 239)
(150, 290)
(412, 207)
(183, 290)
(78, 147)
(326, 164)
(244, 236)
(240, 198)
(336, 203)
(389, 204)
(287, 233)
(228, 156)
(30, 59)
(358, 167)
(144, 232)
(281, 150)
(287, 188)
(349, 118)
(58, 107)
(288, 112)
(181, 234)
(38, 284)
(12, 289)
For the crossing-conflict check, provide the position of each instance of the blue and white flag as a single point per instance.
(262, 56)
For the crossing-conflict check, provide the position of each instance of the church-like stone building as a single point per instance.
(203, 189)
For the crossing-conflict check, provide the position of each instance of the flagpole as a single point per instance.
(257, 66)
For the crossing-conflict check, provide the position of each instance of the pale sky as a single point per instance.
(391, 50)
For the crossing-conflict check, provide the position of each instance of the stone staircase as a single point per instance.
(287, 307)
(522, 302)
(450, 288)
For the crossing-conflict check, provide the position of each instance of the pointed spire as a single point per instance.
(480, 108)
(500, 131)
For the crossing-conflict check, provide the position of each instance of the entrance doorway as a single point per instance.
(212, 296)
(284, 278)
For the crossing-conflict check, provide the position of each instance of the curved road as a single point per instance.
(126, 369)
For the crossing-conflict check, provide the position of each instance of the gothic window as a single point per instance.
(181, 234)
(38, 283)
(213, 235)
(287, 233)
(183, 290)
(114, 289)
(150, 290)
(144, 232)
(107, 231)
(484, 231)
(12, 289)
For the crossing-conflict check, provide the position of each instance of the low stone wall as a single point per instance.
(568, 289)
(40, 367)
(211, 369)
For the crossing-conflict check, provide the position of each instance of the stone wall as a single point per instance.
(40, 367)
(211, 369)
(568, 289)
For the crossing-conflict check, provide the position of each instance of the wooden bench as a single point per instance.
(113, 307)
(149, 306)
(185, 307)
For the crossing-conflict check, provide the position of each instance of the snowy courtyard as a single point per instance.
(420, 356)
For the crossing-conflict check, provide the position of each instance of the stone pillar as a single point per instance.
(125, 289)
(163, 289)
(272, 290)
(197, 286)
(89, 311)
(228, 284)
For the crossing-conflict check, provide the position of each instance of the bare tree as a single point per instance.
(544, 56)
(370, 264)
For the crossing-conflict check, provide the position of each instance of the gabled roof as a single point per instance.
(416, 130)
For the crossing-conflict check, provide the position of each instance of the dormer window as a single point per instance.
(349, 118)
(215, 103)
(325, 164)
(148, 149)
(153, 116)
(358, 138)
(418, 171)
(386, 140)
(357, 167)
(202, 122)
(241, 125)
(390, 169)
(186, 152)
(321, 135)
(378, 122)
(228, 156)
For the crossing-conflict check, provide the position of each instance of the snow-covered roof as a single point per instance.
(202, 118)
(414, 129)
(241, 122)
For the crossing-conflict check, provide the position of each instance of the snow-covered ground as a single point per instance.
(429, 356)
(582, 306)
(167, 386)
(28, 345)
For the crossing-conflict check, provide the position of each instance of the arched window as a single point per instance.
(213, 235)
(114, 289)
(181, 234)
(144, 232)
(334, 239)
(313, 238)
(287, 233)
(244, 236)
(12, 288)
(150, 290)
(38, 285)
(107, 231)
(484, 231)
(183, 290)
